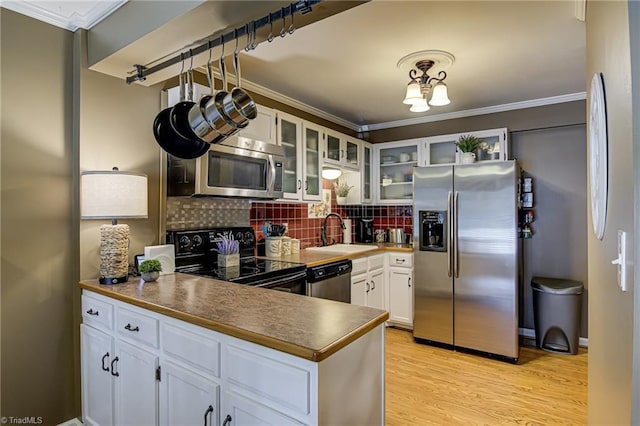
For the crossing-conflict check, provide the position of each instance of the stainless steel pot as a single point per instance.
(238, 104)
(197, 117)
(214, 111)
(396, 235)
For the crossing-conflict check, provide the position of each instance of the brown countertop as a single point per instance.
(312, 258)
(303, 326)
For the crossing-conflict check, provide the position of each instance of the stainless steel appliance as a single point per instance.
(196, 254)
(364, 230)
(466, 268)
(237, 167)
(331, 281)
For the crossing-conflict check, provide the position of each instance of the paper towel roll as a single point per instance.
(346, 233)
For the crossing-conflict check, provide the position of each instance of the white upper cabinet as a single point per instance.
(341, 150)
(394, 172)
(367, 173)
(302, 142)
(263, 127)
(439, 150)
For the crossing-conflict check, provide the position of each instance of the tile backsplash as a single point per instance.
(195, 213)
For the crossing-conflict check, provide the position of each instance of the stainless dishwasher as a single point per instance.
(331, 281)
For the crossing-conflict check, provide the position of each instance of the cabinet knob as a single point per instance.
(409, 281)
(227, 420)
(92, 312)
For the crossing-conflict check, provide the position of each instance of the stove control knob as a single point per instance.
(197, 241)
(249, 238)
(184, 241)
(239, 236)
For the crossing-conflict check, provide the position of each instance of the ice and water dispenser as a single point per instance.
(433, 228)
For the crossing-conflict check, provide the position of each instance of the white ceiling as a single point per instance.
(508, 55)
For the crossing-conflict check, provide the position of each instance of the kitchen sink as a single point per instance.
(343, 248)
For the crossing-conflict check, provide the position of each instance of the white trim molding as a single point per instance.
(54, 13)
(72, 422)
(477, 111)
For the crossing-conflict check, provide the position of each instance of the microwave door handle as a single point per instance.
(449, 234)
(271, 173)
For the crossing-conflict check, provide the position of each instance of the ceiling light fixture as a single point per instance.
(422, 85)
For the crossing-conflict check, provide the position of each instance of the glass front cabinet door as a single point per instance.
(289, 137)
(311, 164)
(341, 150)
(396, 161)
(439, 150)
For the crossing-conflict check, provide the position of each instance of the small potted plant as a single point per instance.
(150, 269)
(228, 251)
(342, 191)
(468, 144)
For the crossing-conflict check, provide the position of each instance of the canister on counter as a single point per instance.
(273, 246)
(295, 246)
(285, 249)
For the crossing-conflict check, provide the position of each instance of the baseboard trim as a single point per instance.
(72, 422)
(530, 333)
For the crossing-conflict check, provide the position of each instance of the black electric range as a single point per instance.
(196, 254)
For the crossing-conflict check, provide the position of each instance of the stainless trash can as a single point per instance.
(557, 308)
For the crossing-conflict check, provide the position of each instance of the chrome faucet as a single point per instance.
(323, 229)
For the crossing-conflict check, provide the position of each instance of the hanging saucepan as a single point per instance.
(197, 118)
(173, 142)
(238, 105)
(213, 111)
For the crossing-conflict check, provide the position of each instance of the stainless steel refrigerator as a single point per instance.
(466, 264)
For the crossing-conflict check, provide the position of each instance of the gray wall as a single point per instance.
(556, 159)
(611, 310)
(37, 334)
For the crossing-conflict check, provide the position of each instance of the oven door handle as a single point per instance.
(278, 281)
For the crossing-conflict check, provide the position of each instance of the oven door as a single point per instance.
(290, 283)
(233, 170)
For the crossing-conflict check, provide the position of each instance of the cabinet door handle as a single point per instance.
(409, 281)
(299, 184)
(342, 153)
(105, 356)
(306, 184)
(92, 312)
(373, 285)
(128, 327)
(113, 367)
(400, 260)
(207, 414)
(227, 420)
(368, 288)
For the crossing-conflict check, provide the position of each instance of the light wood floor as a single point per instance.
(426, 385)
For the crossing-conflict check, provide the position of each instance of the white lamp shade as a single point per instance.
(440, 97)
(113, 195)
(422, 106)
(331, 174)
(414, 95)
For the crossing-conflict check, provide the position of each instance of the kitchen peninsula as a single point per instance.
(184, 347)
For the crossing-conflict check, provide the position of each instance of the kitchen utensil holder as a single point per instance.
(273, 246)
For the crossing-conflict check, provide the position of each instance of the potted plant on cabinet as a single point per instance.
(150, 269)
(342, 191)
(468, 144)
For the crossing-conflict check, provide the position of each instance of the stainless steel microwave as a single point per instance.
(237, 167)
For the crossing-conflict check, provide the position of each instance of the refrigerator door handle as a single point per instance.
(449, 234)
(456, 269)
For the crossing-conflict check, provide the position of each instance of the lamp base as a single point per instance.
(111, 280)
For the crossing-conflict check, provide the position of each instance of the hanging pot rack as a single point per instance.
(303, 7)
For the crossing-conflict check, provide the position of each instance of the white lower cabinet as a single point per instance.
(170, 372)
(368, 281)
(187, 398)
(400, 288)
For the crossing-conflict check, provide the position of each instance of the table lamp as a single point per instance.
(113, 194)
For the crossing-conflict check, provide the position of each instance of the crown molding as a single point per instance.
(477, 111)
(71, 21)
(298, 105)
